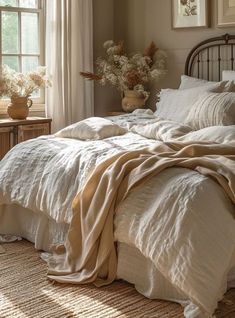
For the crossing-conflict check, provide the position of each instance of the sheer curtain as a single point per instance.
(69, 50)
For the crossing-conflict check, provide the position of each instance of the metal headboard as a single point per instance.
(209, 58)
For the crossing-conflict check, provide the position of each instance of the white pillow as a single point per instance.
(219, 134)
(228, 75)
(175, 104)
(190, 82)
(92, 128)
(212, 109)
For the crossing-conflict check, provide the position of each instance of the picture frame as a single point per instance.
(225, 13)
(189, 14)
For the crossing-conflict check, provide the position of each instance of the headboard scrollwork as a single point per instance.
(209, 58)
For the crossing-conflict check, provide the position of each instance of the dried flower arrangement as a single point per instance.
(14, 84)
(129, 72)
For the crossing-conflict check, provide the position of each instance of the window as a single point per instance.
(22, 38)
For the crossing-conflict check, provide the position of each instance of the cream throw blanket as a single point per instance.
(89, 253)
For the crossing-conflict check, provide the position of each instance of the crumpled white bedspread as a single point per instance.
(181, 220)
(45, 174)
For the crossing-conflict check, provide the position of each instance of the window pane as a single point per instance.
(29, 22)
(9, 3)
(28, 4)
(10, 42)
(29, 63)
(11, 61)
(22, 3)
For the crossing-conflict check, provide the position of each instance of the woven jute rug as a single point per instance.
(25, 292)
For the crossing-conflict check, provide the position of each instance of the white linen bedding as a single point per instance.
(45, 174)
(47, 163)
(50, 171)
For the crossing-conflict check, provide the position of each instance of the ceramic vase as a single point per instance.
(133, 100)
(18, 108)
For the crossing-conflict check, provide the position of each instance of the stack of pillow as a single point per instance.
(199, 103)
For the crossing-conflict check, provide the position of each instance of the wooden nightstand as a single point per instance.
(13, 132)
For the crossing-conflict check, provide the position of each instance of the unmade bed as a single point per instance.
(177, 214)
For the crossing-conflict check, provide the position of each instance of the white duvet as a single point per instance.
(181, 220)
(45, 174)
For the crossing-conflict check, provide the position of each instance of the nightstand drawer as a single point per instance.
(13, 132)
(26, 132)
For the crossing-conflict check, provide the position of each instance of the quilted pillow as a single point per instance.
(175, 104)
(212, 109)
(92, 128)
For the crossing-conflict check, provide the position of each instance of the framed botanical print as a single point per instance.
(189, 13)
(225, 13)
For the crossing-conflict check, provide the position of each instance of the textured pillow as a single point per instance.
(212, 109)
(92, 128)
(190, 82)
(219, 134)
(175, 104)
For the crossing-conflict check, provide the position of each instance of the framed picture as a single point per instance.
(225, 13)
(189, 14)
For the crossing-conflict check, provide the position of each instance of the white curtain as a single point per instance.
(69, 50)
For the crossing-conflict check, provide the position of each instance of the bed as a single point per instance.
(39, 180)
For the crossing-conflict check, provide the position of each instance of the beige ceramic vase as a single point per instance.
(18, 108)
(133, 100)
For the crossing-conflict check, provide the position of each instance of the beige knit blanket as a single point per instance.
(89, 253)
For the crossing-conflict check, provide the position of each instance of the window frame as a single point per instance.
(38, 103)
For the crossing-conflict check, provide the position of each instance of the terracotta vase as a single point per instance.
(18, 108)
(133, 100)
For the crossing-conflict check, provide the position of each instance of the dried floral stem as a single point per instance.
(91, 76)
(151, 50)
